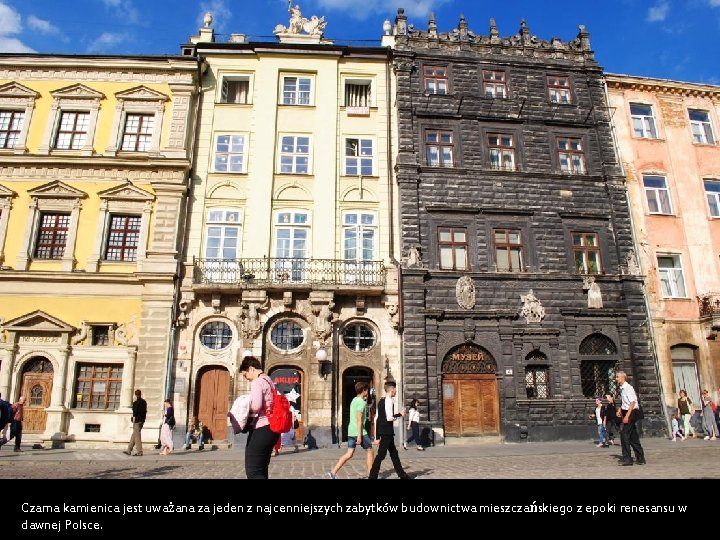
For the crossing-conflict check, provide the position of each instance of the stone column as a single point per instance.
(57, 412)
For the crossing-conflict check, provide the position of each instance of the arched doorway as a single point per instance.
(350, 377)
(471, 403)
(212, 401)
(37, 380)
(289, 380)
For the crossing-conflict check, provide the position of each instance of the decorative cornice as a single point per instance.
(15, 90)
(141, 93)
(77, 91)
(663, 86)
(126, 192)
(56, 190)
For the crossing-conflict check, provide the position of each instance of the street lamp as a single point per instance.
(324, 364)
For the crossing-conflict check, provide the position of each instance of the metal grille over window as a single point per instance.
(287, 335)
(216, 335)
(358, 337)
(537, 377)
(597, 375)
(38, 365)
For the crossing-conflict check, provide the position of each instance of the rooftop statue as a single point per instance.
(313, 26)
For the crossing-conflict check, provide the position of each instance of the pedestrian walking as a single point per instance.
(357, 431)
(139, 413)
(708, 416)
(612, 421)
(16, 426)
(166, 439)
(260, 439)
(687, 410)
(384, 429)
(676, 433)
(6, 416)
(413, 425)
(630, 413)
(599, 416)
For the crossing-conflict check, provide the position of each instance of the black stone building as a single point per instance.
(521, 295)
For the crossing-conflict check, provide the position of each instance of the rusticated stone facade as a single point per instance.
(507, 175)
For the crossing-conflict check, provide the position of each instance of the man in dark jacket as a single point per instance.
(384, 429)
(139, 409)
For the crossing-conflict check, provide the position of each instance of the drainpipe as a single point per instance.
(651, 326)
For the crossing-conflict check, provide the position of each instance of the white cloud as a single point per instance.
(659, 11)
(42, 26)
(11, 23)
(124, 10)
(220, 12)
(413, 8)
(107, 41)
(714, 3)
(12, 45)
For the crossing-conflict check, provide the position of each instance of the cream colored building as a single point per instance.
(94, 161)
(667, 133)
(290, 244)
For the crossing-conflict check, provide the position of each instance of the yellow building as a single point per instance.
(290, 244)
(94, 161)
(667, 133)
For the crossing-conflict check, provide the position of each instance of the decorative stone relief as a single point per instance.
(594, 293)
(392, 310)
(82, 333)
(183, 310)
(215, 303)
(323, 316)
(251, 324)
(126, 333)
(298, 24)
(465, 292)
(2, 330)
(360, 305)
(412, 257)
(469, 330)
(532, 309)
(632, 265)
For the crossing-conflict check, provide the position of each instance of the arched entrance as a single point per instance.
(471, 403)
(37, 380)
(350, 377)
(289, 381)
(212, 398)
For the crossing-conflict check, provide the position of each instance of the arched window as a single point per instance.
(537, 376)
(215, 335)
(358, 337)
(36, 395)
(287, 335)
(598, 365)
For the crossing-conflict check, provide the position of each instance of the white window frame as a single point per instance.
(491, 85)
(569, 153)
(139, 100)
(235, 77)
(360, 229)
(360, 139)
(713, 197)
(673, 276)
(231, 218)
(702, 130)
(558, 92)
(6, 196)
(358, 81)
(501, 151)
(15, 97)
(656, 194)
(294, 154)
(125, 199)
(292, 270)
(76, 98)
(294, 102)
(55, 197)
(144, 120)
(644, 126)
(245, 139)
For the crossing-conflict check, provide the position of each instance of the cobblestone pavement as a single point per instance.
(693, 458)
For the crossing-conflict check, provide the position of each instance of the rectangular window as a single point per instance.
(11, 123)
(235, 90)
(291, 246)
(359, 236)
(702, 130)
(52, 236)
(294, 154)
(358, 93)
(453, 248)
(100, 335)
(436, 79)
(536, 382)
(508, 250)
(672, 280)
(494, 84)
(502, 151)
(138, 133)
(657, 194)
(439, 147)
(72, 131)
(230, 153)
(297, 90)
(571, 155)
(98, 386)
(597, 377)
(586, 253)
(123, 238)
(712, 191)
(223, 233)
(643, 121)
(359, 157)
(558, 88)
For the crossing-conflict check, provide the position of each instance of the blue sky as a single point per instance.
(671, 39)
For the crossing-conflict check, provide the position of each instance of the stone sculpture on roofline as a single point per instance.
(301, 29)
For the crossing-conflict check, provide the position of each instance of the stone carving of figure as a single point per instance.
(82, 333)
(314, 26)
(392, 310)
(594, 294)
(414, 256)
(251, 323)
(2, 330)
(126, 333)
(465, 292)
(632, 265)
(532, 309)
(296, 19)
(322, 321)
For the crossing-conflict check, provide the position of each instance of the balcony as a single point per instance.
(709, 304)
(281, 273)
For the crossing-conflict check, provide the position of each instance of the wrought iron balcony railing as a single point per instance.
(278, 271)
(709, 304)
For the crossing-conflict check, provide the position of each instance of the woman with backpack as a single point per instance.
(260, 439)
(168, 424)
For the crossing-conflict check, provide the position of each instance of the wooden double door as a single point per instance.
(212, 402)
(470, 404)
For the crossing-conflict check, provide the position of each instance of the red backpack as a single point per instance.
(279, 415)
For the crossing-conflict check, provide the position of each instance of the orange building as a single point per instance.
(667, 134)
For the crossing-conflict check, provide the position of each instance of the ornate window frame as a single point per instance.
(53, 197)
(6, 196)
(138, 100)
(77, 97)
(123, 199)
(16, 97)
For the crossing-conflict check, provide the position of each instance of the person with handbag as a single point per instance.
(687, 410)
(168, 424)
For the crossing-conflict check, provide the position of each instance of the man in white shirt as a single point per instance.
(630, 414)
(385, 430)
